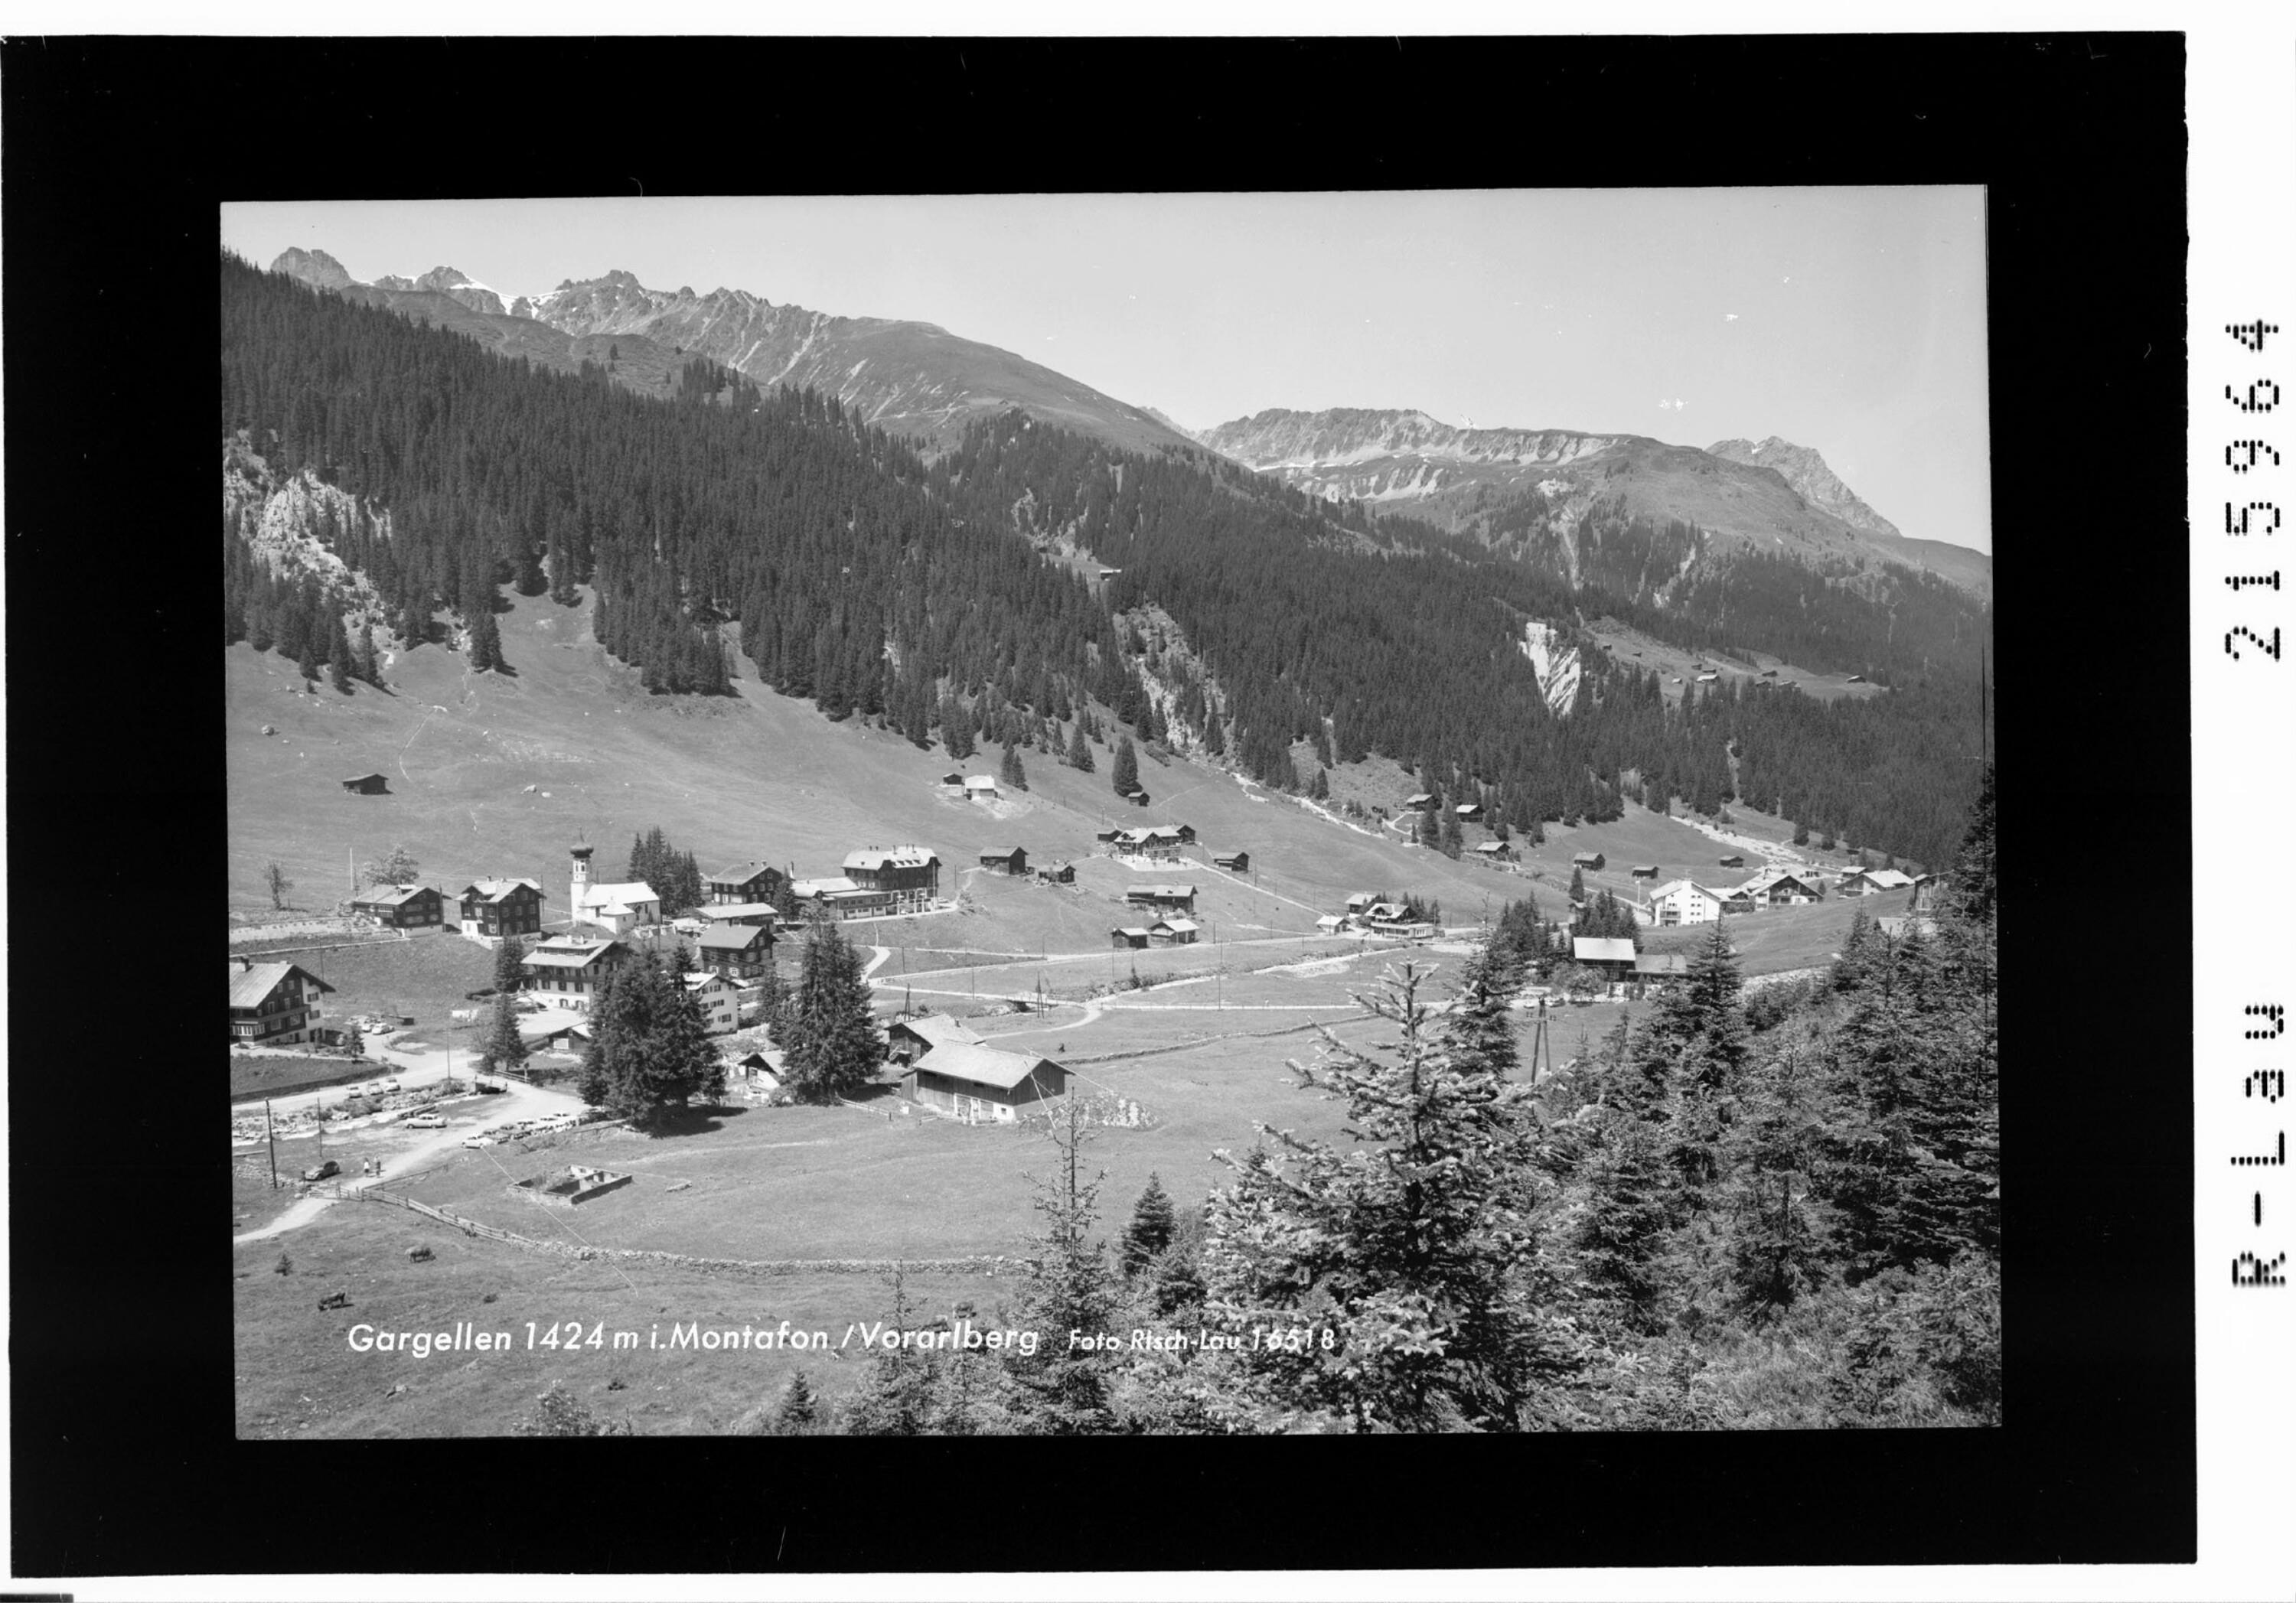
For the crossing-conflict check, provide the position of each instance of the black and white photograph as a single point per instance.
(1137, 814)
(1279, 747)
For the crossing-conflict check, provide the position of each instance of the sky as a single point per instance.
(1849, 320)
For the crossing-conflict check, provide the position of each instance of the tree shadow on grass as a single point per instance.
(693, 1121)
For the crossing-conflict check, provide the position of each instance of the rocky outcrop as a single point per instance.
(1806, 474)
(315, 269)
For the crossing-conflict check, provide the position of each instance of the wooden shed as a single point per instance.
(1121, 938)
(366, 784)
(1006, 859)
(1587, 860)
(982, 1083)
(1240, 861)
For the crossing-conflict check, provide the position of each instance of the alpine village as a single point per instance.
(793, 874)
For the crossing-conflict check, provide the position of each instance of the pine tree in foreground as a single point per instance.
(1062, 1390)
(799, 1414)
(1149, 1230)
(1415, 1249)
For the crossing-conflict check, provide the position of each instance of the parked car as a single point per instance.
(479, 1141)
(322, 1171)
(424, 1121)
(390, 1085)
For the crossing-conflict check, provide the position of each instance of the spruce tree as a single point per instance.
(650, 1051)
(798, 1413)
(510, 973)
(1126, 777)
(830, 1034)
(1079, 750)
(1063, 1390)
(1416, 1250)
(1009, 770)
(505, 1050)
(1578, 887)
(1149, 1232)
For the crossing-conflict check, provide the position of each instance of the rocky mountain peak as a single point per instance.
(1806, 474)
(315, 269)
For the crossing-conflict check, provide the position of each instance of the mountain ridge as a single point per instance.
(903, 376)
(1540, 486)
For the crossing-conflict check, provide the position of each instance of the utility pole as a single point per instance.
(271, 1141)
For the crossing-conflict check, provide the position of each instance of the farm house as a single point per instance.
(971, 1081)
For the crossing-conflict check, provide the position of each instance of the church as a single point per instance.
(617, 908)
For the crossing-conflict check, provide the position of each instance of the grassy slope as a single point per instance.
(764, 776)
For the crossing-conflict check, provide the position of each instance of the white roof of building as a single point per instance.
(802, 888)
(550, 1021)
(495, 890)
(900, 856)
(937, 1030)
(979, 781)
(1601, 949)
(1888, 879)
(1492, 846)
(1177, 926)
(741, 873)
(388, 896)
(627, 895)
(1672, 885)
(700, 982)
(1162, 892)
(983, 1065)
(250, 986)
(571, 951)
(1330, 921)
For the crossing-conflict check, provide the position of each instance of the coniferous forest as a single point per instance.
(1772, 1209)
(882, 585)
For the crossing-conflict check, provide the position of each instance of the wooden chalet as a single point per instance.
(1361, 902)
(1734, 860)
(1236, 861)
(1643, 870)
(746, 882)
(1331, 923)
(1059, 873)
(1106, 837)
(566, 971)
(1469, 812)
(907, 1039)
(1925, 892)
(984, 1083)
(1496, 851)
(1611, 956)
(1587, 860)
(1138, 798)
(493, 909)
(719, 999)
(402, 906)
(738, 951)
(1173, 932)
(272, 1004)
(952, 784)
(980, 787)
(1661, 966)
(367, 784)
(1419, 803)
(1132, 936)
(1010, 860)
(1182, 896)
